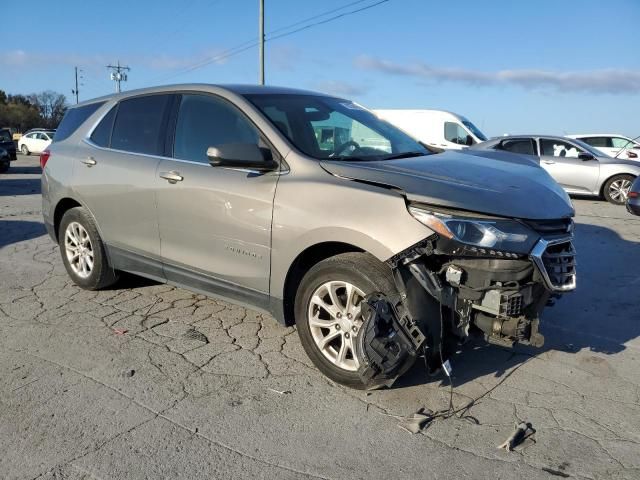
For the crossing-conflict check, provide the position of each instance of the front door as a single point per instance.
(215, 223)
(561, 160)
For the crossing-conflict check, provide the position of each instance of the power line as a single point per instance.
(118, 74)
(252, 43)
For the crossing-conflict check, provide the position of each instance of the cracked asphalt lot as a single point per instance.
(149, 381)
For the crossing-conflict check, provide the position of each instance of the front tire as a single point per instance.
(327, 311)
(25, 150)
(617, 188)
(83, 252)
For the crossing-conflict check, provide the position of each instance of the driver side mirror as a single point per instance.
(241, 155)
(584, 156)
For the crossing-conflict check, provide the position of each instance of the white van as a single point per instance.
(436, 128)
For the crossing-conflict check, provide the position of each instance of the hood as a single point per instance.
(489, 182)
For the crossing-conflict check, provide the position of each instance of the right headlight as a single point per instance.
(487, 235)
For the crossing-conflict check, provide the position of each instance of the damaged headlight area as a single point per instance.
(482, 236)
(479, 274)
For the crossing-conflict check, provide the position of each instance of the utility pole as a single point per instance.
(118, 74)
(76, 91)
(261, 41)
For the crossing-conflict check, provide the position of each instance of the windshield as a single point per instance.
(473, 129)
(5, 136)
(331, 128)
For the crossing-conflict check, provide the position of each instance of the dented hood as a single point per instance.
(493, 183)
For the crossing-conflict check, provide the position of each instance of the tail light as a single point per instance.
(44, 158)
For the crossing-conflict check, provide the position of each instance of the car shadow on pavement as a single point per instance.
(601, 316)
(14, 231)
(19, 186)
(22, 170)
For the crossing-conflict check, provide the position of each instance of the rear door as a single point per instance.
(215, 223)
(560, 159)
(115, 175)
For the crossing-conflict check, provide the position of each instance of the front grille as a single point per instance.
(551, 228)
(559, 261)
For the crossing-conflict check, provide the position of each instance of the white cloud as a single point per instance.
(616, 81)
(335, 87)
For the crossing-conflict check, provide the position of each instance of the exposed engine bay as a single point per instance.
(448, 290)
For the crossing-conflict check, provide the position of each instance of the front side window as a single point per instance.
(5, 136)
(523, 146)
(454, 133)
(558, 148)
(331, 128)
(138, 125)
(205, 121)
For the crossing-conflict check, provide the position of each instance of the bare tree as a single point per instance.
(51, 106)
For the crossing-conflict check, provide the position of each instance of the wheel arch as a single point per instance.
(63, 205)
(301, 265)
(612, 175)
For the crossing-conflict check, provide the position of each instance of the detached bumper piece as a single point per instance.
(388, 342)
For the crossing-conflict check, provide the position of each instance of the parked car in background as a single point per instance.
(234, 191)
(436, 128)
(5, 160)
(617, 146)
(35, 141)
(7, 143)
(578, 167)
(633, 198)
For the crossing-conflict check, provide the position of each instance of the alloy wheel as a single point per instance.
(78, 249)
(619, 190)
(334, 321)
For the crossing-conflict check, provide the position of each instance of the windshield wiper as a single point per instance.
(404, 155)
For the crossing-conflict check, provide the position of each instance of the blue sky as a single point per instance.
(549, 66)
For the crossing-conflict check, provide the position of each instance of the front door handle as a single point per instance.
(89, 161)
(172, 176)
(548, 162)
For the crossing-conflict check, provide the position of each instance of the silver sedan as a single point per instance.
(579, 168)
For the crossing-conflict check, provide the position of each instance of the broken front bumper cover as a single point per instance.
(501, 296)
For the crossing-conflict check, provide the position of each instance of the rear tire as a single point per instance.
(25, 150)
(328, 280)
(616, 189)
(83, 252)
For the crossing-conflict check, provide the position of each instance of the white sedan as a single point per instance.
(617, 146)
(35, 142)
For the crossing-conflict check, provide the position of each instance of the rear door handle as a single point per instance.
(548, 162)
(89, 161)
(172, 176)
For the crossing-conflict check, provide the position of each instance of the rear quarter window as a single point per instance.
(74, 118)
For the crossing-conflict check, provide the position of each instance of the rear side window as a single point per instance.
(138, 126)
(101, 135)
(520, 145)
(598, 141)
(74, 118)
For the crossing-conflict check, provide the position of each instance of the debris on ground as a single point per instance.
(523, 430)
(280, 392)
(120, 331)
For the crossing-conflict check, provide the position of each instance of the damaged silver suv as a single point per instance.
(312, 209)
